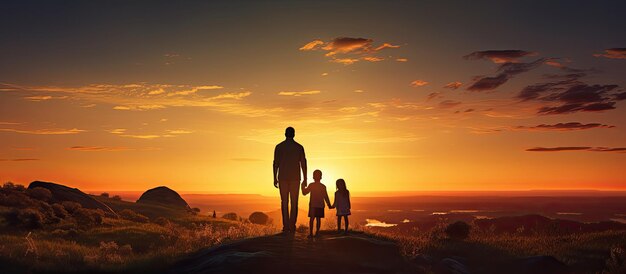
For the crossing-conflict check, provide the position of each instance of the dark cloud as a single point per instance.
(448, 104)
(613, 53)
(594, 149)
(453, 85)
(506, 71)
(565, 126)
(499, 56)
(567, 94)
(349, 50)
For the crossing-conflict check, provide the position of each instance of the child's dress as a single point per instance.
(342, 203)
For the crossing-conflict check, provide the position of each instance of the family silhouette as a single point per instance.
(289, 161)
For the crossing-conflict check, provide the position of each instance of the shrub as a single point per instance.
(195, 210)
(458, 230)
(231, 216)
(259, 218)
(117, 198)
(104, 194)
(130, 215)
(39, 193)
(30, 218)
(162, 221)
(59, 211)
(71, 207)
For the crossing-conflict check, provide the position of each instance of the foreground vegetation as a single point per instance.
(61, 237)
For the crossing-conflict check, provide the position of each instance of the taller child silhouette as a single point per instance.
(288, 160)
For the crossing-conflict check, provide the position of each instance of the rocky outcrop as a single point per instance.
(163, 196)
(61, 193)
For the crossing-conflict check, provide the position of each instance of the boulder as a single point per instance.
(61, 193)
(163, 196)
(540, 265)
(451, 266)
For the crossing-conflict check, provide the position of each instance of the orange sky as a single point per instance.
(387, 112)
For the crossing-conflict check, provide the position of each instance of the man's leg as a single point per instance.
(294, 193)
(284, 200)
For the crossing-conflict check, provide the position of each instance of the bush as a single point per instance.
(162, 221)
(39, 193)
(59, 211)
(104, 194)
(231, 216)
(259, 218)
(117, 198)
(130, 215)
(458, 230)
(71, 207)
(30, 218)
(84, 217)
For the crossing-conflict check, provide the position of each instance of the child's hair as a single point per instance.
(341, 187)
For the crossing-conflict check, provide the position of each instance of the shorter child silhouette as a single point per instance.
(316, 203)
(342, 203)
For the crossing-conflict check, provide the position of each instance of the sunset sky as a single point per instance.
(389, 95)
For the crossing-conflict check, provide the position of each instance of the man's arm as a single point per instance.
(303, 166)
(327, 199)
(276, 163)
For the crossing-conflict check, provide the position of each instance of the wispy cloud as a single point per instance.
(418, 83)
(593, 149)
(19, 160)
(349, 50)
(613, 53)
(44, 131)
(97, 148)
(564, 126)
(499, 56)
(298, 93)
(453, 85)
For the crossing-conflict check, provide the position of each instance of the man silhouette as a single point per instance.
(288, 160)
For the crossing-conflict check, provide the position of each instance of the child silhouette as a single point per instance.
(316, 202)
(342, 203)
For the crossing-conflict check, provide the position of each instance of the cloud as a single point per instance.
(232, 95)
(570, 95)
(453, 85)
(19, 160)
(345, 61)
(96, 148)
(506, 71)
(449, 104)
(178, 131)
(192, 90)
(564, 126)
(358, 91)
(117, 131)
(372, 59)
(348, 50)
(38, 98)
(433, 95)
(141, 136)
(499, 56)
(418, 83)
(613, 53)
(402, 59)
(313, 45)
(594, 149)
(44, 131)
(298, 93)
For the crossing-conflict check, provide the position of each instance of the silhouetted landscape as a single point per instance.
(48, 227)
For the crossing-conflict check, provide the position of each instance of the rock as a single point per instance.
(365, 252)
(61, 193)
(297, 254)
(163, 196)
(540, 265)
(451, 266)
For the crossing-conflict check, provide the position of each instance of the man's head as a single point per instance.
(317, 175)
(290, 132)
